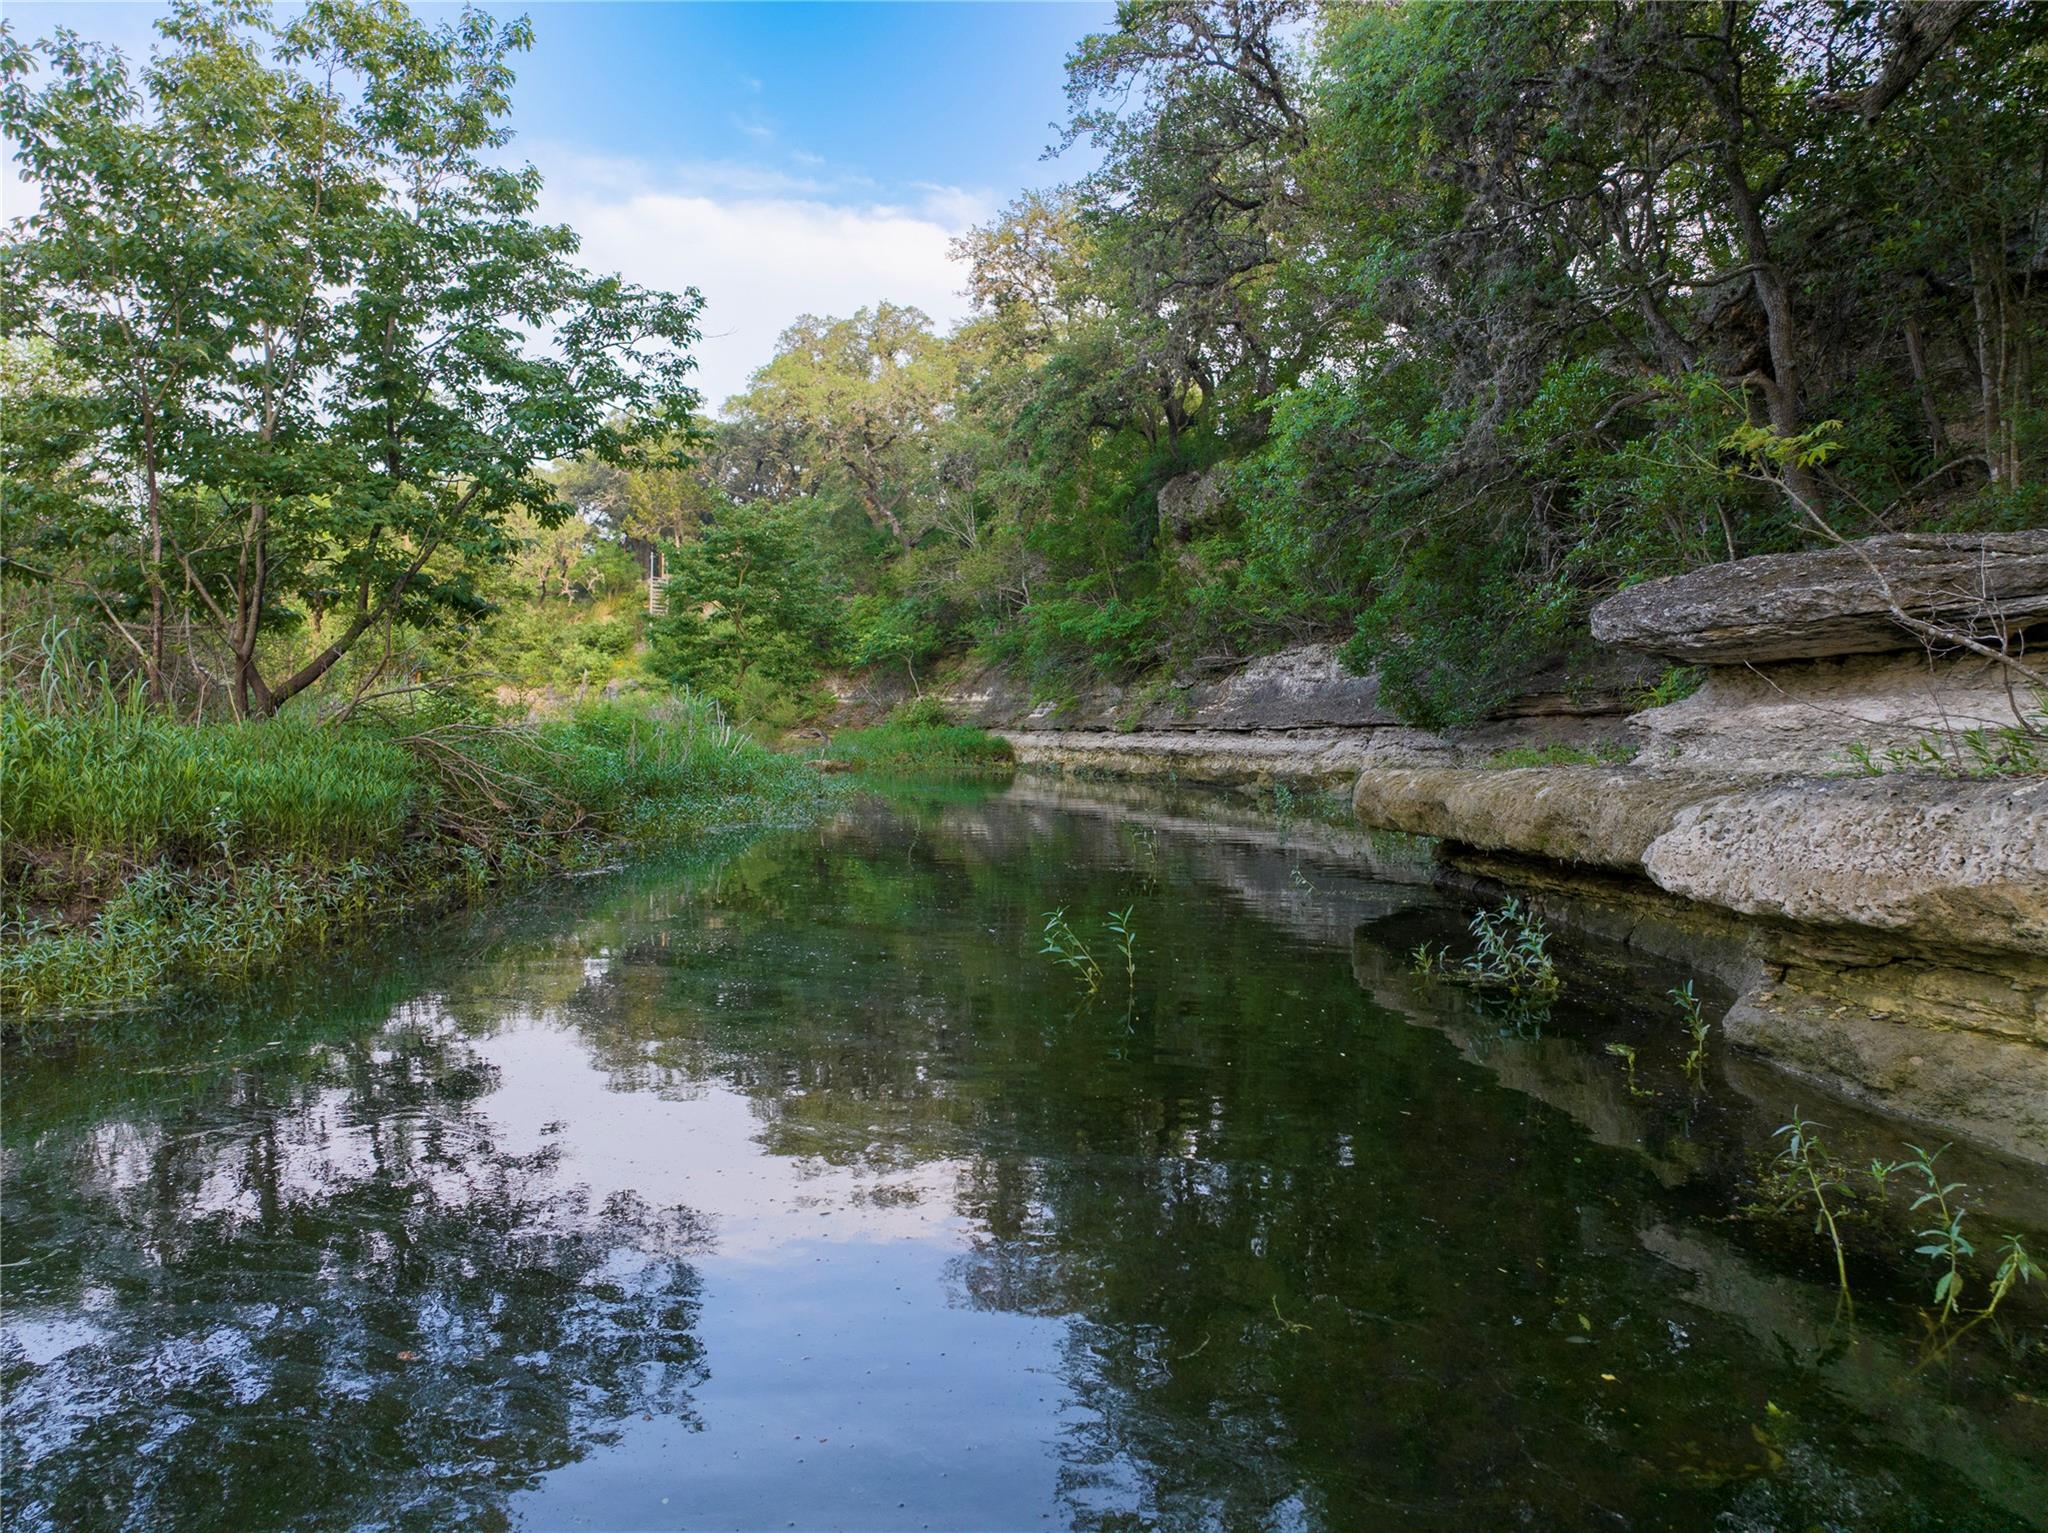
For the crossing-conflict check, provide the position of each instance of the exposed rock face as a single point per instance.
(1321, 759)
(1993, 1088)
(1900, 924)
(1191, 505)
(1306, 688)
(1594, 816)
(1816, 716)
(1948, 864)
(1831, 602)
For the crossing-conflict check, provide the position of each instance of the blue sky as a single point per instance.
(783, 158)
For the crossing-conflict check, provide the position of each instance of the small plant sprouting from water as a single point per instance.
(1283, 804)
(1063, 945)
(2015, 1266)
(1126, 938)
(1805, 1171)
(1696, 1028)
(1513, 955)
(1946, 1242)
(1627, 1055)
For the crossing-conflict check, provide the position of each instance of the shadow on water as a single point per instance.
(790, 1185)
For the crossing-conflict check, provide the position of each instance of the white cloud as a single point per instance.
(762, 247)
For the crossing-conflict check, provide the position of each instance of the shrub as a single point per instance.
(921, 713)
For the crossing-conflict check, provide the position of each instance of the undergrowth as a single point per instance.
(918, 743)
(137, 851)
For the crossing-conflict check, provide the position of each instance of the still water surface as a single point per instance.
(791, 1187)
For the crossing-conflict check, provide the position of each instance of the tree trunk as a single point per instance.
(1916, 355)
(154, 664)
(251, 698)
(1989, 370)
(1781, 388)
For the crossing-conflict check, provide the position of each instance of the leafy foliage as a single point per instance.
(287, 289)
(1415, 329)
(140, 851)
(749, 612)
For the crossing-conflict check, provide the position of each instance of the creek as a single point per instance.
(787, 1184)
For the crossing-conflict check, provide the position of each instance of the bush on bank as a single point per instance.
(138, 852)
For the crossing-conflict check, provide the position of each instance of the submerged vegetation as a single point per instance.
(1804, 1175)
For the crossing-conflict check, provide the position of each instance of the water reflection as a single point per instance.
(329, 1296)
(794, 1188)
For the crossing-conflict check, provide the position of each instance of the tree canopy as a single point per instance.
(301, 343)
(1414, 328)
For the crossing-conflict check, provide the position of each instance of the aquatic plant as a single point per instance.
(1126, 937)
(1063, 945)
(1513, 951)
(1513, 955)
(1806, 1171)
(2015, 1266)
(1627, 1055)
(1425, 960)
(1946, 1243)
(1696, 1028)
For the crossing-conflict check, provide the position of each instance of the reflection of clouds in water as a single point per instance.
(829, 1208)
(306, 1275)
(704, 1151)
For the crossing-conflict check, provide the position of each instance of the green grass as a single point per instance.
(1607, 753)
(138, 852)
(1968, 753)
(119, 778)
(894, 748)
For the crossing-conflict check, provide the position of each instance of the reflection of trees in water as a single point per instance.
(326, 1300)
(1254, 1147)
(1232, 1160)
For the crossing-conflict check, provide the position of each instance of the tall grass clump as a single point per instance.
(138, 851)
(913, 746)
(117, 777)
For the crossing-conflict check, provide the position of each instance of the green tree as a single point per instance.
(750, 608)
(313, 343)
(862, 400)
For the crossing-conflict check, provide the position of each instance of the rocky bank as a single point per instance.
(1806, 823)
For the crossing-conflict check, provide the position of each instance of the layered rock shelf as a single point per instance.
(1883, 921)
(1889, 930)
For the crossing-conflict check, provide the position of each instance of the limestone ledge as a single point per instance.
(1953, 864)
(1311, 759)
(1893, 931)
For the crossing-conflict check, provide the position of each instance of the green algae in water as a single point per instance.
(795, 1187)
